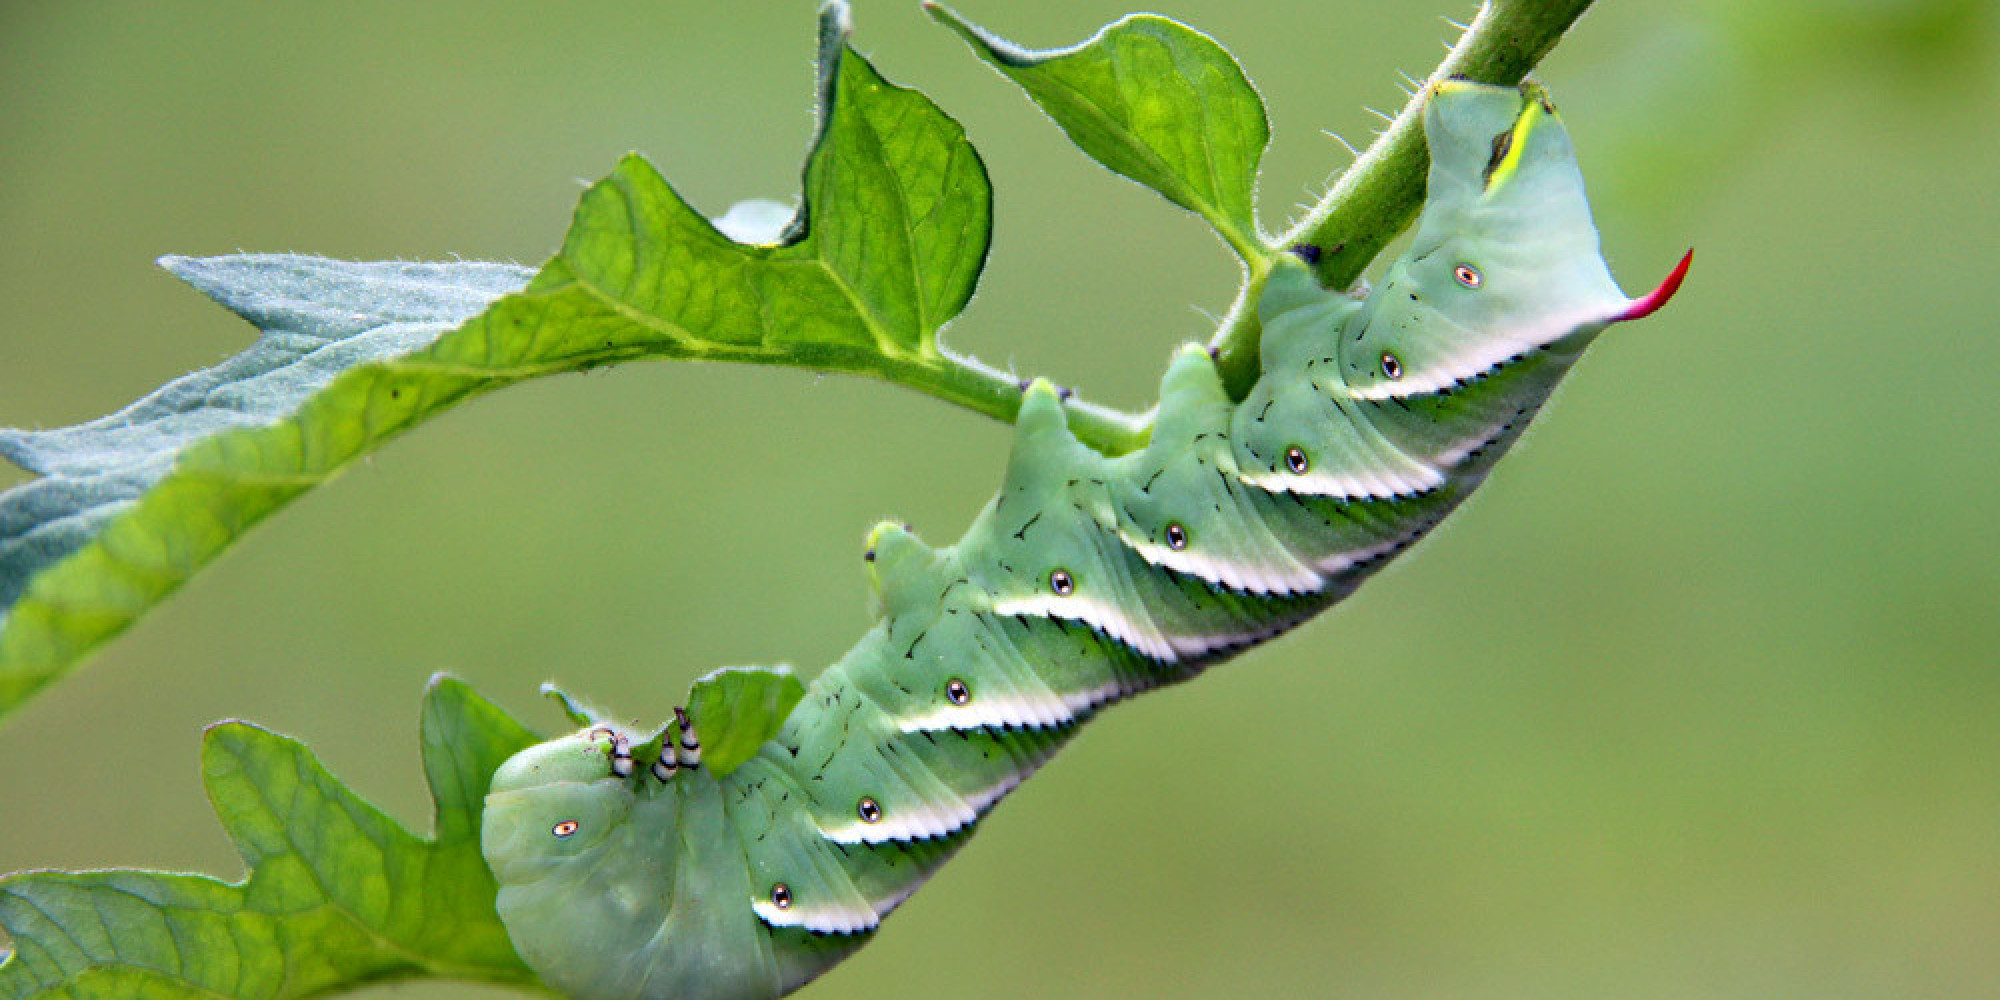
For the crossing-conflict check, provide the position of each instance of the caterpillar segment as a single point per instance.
(725, 873)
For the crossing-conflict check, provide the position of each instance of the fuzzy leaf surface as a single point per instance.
(131, 504)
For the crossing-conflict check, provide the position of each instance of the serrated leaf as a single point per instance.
(736, 709)
(337, 893)
(1156, 101)
(886, 247)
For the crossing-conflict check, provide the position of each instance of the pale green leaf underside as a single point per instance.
(885, 249)
(336, 893)
(133, 503)
(1156, 101)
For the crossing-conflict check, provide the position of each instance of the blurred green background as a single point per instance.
(1698, 698)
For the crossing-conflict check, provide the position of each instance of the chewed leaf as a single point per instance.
(337, 893)
(1156, 101)
(736, 709)
(757, 220)
(885, 248)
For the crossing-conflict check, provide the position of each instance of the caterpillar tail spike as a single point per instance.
(1651, 302)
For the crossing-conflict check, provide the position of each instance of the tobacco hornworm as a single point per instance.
(643, 865)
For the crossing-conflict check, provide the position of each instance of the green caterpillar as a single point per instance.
(641, 865)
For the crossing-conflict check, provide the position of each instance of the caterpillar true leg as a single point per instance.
(621, 756)
(690, 743)
(667, 764)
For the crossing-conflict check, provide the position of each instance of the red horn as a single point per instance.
(1651, 302)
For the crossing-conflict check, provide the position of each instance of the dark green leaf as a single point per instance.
(1155, 100)
(337, 893)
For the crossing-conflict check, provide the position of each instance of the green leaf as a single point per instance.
(736, 709)
(133, 503)
(337, 893)
(579, 712)
(886, 248)
(1156, 101)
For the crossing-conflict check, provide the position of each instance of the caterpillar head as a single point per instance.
(1505, 261)
(552, 803)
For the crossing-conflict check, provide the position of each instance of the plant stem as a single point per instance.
(980, 387)
(1378, 195)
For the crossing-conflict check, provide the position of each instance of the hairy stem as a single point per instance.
(1377, 197)
(984, 389)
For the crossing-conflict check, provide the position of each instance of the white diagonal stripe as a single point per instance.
(1290, 577)
(838, 917)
